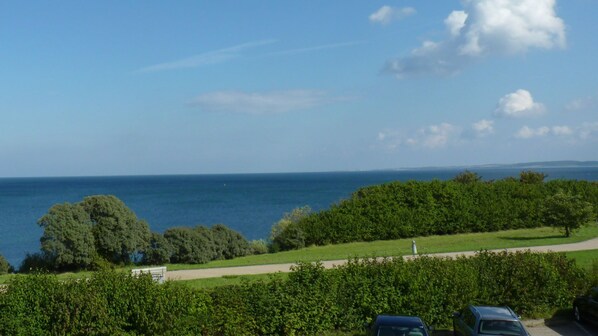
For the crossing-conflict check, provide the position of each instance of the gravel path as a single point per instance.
(264, 269)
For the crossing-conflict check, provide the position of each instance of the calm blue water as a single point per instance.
(248, 203)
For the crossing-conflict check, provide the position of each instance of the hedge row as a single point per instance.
(416, 208)
(309, 302)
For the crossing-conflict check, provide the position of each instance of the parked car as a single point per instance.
(393, 325)
(585, 307)
(487, 320)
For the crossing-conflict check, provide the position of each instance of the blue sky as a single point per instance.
(191, 87)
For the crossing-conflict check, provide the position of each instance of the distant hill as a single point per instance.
(524, 165)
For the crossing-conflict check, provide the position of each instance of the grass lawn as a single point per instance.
(431, 244)
(584, 259)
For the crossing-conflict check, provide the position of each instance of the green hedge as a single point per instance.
(415, 208)
(310, 301)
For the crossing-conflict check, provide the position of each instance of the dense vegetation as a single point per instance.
(102, 230)
(465, 204)
(309, 302)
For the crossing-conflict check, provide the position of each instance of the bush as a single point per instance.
(229, 243)
(4, 266)
(189, 245)
(159, 250)
(259, 246)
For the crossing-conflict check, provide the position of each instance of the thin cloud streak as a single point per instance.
(207, 58)
(316, 48)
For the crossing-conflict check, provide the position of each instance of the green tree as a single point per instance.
(467, 177)
(286, 233)
(228, 242)
(566, 211)
(67, 241)
(158, 251)
(531, 177)
(189, 245)
(4, 265)
(118, 234)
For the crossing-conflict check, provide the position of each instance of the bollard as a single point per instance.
(413, 247)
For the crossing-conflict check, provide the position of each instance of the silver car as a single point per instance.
(487, 320)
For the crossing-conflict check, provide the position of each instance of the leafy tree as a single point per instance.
(4, 265)
(259, 246)
(68, 240)
(467, 177)
(531, 177)
(229, 243)
(566, 211)
(189, 245)
(158, 251)
(118, 234)
(286, 234)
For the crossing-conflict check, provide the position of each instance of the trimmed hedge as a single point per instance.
(416, 208)
(309, 302)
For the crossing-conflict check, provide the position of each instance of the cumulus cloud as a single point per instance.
(483, 128)
(588, 129)
(262, 103)
(485, 28)
(387, 14)
(432, 137)
(519, 104)
(435, 136)
(582, 103)
(527, 132)
(207, 58)
(561, 130)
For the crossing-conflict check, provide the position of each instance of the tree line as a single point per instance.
(101, 230)
(462, 205)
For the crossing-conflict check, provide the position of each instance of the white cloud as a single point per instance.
(455, 22)
(518, 104)
(588, 129)
(483, 127)
(527, 133)
(561, 130)
(207, 58)
(387, 14)
(432, 137)
(262, 103)
(485, 28)
(582, 103)
(436, 136)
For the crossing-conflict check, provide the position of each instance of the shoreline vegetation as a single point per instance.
(102, 231)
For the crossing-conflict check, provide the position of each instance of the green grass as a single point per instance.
(425, 245)
(584, 259)
(231, 280)
(432, 244)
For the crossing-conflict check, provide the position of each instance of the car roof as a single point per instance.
(407, 321)
(497, 313)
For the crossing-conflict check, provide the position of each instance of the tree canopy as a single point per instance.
(67, 241)
(118, 234)
(566, 211)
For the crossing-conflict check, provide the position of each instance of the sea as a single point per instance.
(247, 203)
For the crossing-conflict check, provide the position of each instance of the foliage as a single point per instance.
(36, 262)
(419, 208)
(189, 245)
(531, 177)
(118, 234)
(566, 211)
(310, 301)
(467, 177)
(5, 267)
(259, 246)
(158, 251)
(286, 234)
(229, 243)
(67, 240)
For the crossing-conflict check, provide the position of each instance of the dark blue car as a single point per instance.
(392, 325)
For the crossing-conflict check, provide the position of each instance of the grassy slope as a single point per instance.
(432, 244)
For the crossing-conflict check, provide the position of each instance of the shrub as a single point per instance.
(229, 243)
(189, 246)
(4, 265)
(158, 251)
(259, 246)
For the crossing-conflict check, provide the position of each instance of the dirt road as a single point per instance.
(265, 269)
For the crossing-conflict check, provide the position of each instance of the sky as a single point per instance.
(208, 87)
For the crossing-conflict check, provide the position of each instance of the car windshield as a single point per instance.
(500, 327)
(384, 330)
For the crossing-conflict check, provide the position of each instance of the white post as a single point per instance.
(413, 247)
